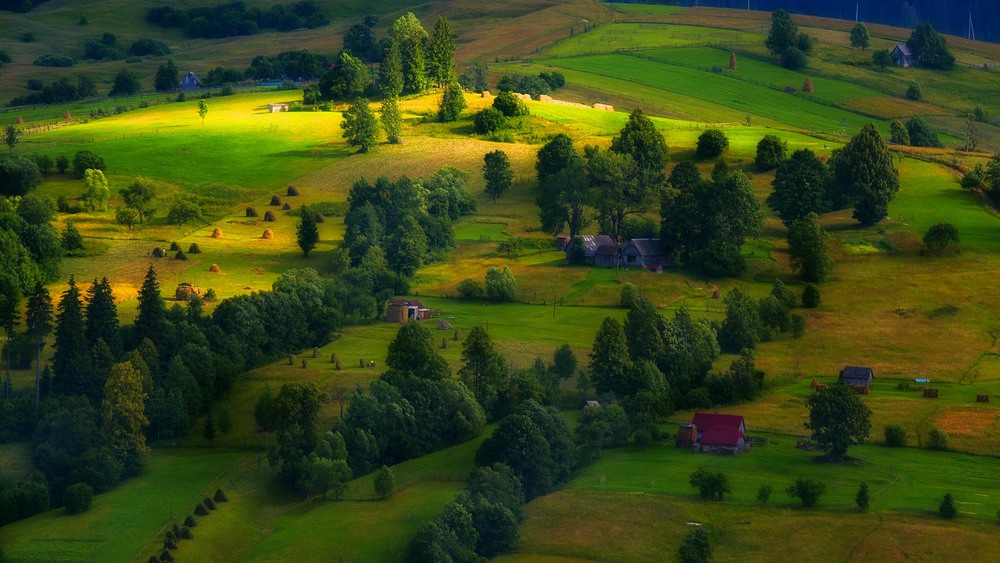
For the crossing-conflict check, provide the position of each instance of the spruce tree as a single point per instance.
(441, 53)
(307, 232)
(151, 320)
(412, 39)
(38, 319)
(71, 353)
(102, 315)
(10, 299)
(391, 71)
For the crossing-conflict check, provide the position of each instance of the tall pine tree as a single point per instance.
(38, 319)
(412, 39)
(102, 315)
(71, 361)
(307, 232)
(441, 54)
(151, 321)
(391, 70)
(10, 299)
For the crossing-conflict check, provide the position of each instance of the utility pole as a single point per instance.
(856, 8)
(972, 32)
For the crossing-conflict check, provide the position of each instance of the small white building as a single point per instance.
(275, 108)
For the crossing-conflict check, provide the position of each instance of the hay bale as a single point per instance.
(603, 107)
(982, 398)
(194, 248)
(185, 291)
(275, 201)
(174, 247)
(251, 212)
(315, 352)
(268, 234)
(180, 255)
(20, 120)
(67, 116)
(269, 217)
(215, 269)
(814, 384)
(286, 207)
(293, 191)
(807, 86)
(320, 218)
(486, 94)
(305, 363)
(931, 393)
(217, 233)
(158, 252)
(545, 98)
(444, 325)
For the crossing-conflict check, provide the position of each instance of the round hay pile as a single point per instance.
(251, 212)
(215, 269)
(269, 217)
(486, 94)
(275, 201)
(174, 246)
(268, 234)
(293, 191)
(20, 120)
(194, 248)
(807, 86)
(67, 116)
(158, 252)
(217, 233)
(180, 255)
(320, 218)
(286, 207)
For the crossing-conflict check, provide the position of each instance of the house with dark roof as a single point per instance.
(404, 310)
(590, 245)
(644, 253)
(606, 256)
(190, 82)
(716, 433)
(902, 55)
(854, 375)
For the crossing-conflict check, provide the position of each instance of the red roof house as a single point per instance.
(721, 433)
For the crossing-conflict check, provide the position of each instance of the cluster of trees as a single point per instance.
(300, 64)
(986, 178)
(930, 48)
(610, 185)
(785, 41)
(532, 85)
(406, 223)
(59, 92)
(107, 48)
(859, 175)
(916, 132)
(496, 117)
(233, 19)
(499, 285)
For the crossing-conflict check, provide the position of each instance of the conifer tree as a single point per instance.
(151, 320)
(609, 357)
(38, 319)
(102, 315)
(124, 421)
(307, 232)
(10, 299)
(71, 357)
(441, 53)
(412, 39)
(391, 71)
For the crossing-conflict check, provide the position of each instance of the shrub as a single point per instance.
(947, 507)
(84, 160)
(770, 152)
(385, 481)
(510, 105)
(190, 522)
(914, 92)
(209, 503)
(77, 498)
(511, 247)
(807, 491)
(695, 548)
(810, 296)
(711, 144)
(471, 289)
(489, 121)
(921, 133)
(895, 436)
(452, 103)
(793, 59)
(54, 61)
(798, 325)
(861, 499)
(629, 295)
(62, 163)
(186, 533)
(764, 493)
(194, 248)
(937, 439)
(210, 295)
(710, 485)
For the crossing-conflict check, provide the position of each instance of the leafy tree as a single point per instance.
(783, 34)
(265, 413)
(729, 213)
(441, 53)
(95, 191)
(77, 498)
(498, 173)
(770, 152)
(385, 482)
(183, 211)
(862, 499)
(711, 485)
(510, 105)
(412, 38)
(793, 59)
(500, 284)
(83, 160)
(838, 418)
(307, 233)
(342, 476)
(947, 508)
(474, 77)
(937, 439)
(939, 236)
(138, 195)
(914, 92)
(741, 328)
(124, 423)
(895, 436)
(882, 58)
(488, 121)
(297, 408)
(863, 172)
(618, 190)
(126, 84)
(11, 135)
(640, 140)
(784, 295)
(804, 43)
(151, 320)
(127, 217)
(38, 321)
(609, 358)
(166, 79)
(406, 249)
(392, 120)
(452, 103)
(360, 125)
(898, 133)
(695, 548)
(921, 133)
(930, 49)
(808, 491)
(202, 110)
(563, 363)
(711, 144)
(564, 199)
(344, 80)
(484, 370)
(391, 70)
(18, 176)
(413, 350)
(605, 426)
(809, 248)
(859, 36)
(360, 42)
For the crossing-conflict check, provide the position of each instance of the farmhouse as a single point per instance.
(715, 433)
(190, 82)
(903, 56)
(859, 376)
(644, 253)
(404, 310)
(606, 256)
(591, 243)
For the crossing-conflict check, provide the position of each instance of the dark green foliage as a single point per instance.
(452, 103)
(209, 429)
(209, 503)
(861, 498)
(391, 70)
(695, 548)
(18, 176)
(882, 58)
(489, 120)
(799, 187)
(151, 319)
(798, 325)
(711, 144)
(838, 418)
(804, 43)
(166, 79)
(711, 485)
(485, 371)
(307, 233)
(54, 61)
(471, 289)
(640, 140)
(863, 172)
(600, 427)
(921, 133)
(385, 482)
(83, 160)
(809, 248)
(235, 19)
(937, 439)
(77, 498)
(498, 173)
(793, 59)
(194, 248)
(783, 34)
(186, 533)
(360, 125)
(947, 508)
(939, 236)
(741, 328)
(345, 80)
(533, 86)
(629, 295)
(914, 92)
(201, 510)
(770, 152)
(441, 53)
(895, 436)
(392, 119)
(859, 36)
(808, 491)
(781, 292)
(126, 83)
(500, 284)
(510, 105)
(810, 296)
(898, 133)
(929, 48)
(764, 493)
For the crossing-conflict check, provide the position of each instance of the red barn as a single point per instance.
(720, 433)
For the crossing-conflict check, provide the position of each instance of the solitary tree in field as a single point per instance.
(860, 37)
(862, 498)
(807, 491)
(940, 236)
(498, 173)
(11, 135)
(202, 110)
(360, 125)
(863, 173)
(126, 217)
(882, 58)
(307, 232)
(784, 33)
(838, 418)
(947, 507)
(809, 247)
(139, 195)
(95, 192)
(695, 548)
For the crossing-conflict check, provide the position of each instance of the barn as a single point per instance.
(903, 56)
(190, 82)
(404, 310)
(715, 433)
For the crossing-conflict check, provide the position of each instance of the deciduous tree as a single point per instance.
(783, 34)
(859, 36)
(360, 125)
(863, 173)
(124, 421)
(838, 419)
(95, 190)
(809, 248)
(498, 173)
(392, 119)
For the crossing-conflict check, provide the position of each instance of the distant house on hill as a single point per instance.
(644, 253)
(591, 243)
(903, 56)
(715, 433)
(606, 256)
(403, 311)
(190, 82)
(277, 108)
(854, 375)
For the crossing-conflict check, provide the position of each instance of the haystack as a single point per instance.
(814, 384)
(217, 233)
(545, 98)
(807, 86)
(215, 269)
(158, 252)
(320, 218)
(67, 116)
(174, 246)
(932, 393)
(293, 191)
(194, 248)
(180, 255)
(486, 94)
(286, 207)
(269, 217)
(20, 120)
(275, 201)
(251, 212)
(185, 291)
(268, 234)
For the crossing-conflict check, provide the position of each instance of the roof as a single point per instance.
(723, 422)
(592, 242)
(407, 303)
(192, 75)
(606, 250)
(647, 246)
(855, 372)
(721, 437)
(904, 50)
